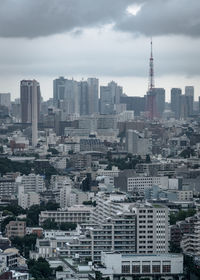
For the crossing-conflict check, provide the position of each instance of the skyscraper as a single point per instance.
(66, 96)
(93, 93)
(189, 93)
(176, 101)
(5, 100)
(106, 100)
(83, 93)
(34, 114)
(26, 88)
(30, 105)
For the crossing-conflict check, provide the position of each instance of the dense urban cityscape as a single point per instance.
(97, 184)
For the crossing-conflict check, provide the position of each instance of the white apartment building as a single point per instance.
(26, 200)
(77, 197)
(108, 205)
(140, 183)
(61, 187)
(162, 266)
(8, 187)
(32, 183)
(116, 234)
(77, 214)
(190, 243)
(185, 195)
(58, 162)
(114, 172)
(64, 200)
(152, 228)
(137, 144)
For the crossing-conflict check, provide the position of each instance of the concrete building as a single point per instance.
(77, 214)
(137, 144)
(152, 228)
(32, 183)
(115, 234)
(189, 93)
(34, 113)
(106, 101)
(16, 228)
(127, 181)
(26, 200)
(5, 100)
(176, 101)
(26, 99)
(190, 242)
(93, 93)
(8, 187)
(161, 266)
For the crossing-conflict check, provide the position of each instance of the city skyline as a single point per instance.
(119, 50)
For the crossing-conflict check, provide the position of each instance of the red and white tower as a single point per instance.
(151, 96)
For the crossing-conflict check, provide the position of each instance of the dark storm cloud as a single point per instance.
(164, 17)
(34, 18)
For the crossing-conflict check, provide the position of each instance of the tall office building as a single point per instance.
(83, 97)
(5, 100)
(30, 105)
(93, 93)
(34, 114)
(106, 101)
(58, 90)
(26, 88)
(116, 92)
(176, 101)
(189, 93)
(66, 96)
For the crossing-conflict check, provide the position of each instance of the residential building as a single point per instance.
(77, 214)
(152, 228)
(16, 228)
(137, 144)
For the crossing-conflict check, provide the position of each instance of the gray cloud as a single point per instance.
(34, 18)
(164, 17)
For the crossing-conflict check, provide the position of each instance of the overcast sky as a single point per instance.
(108, 39)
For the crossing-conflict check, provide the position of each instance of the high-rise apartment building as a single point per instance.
(152, 229)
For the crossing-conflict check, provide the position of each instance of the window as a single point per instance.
(156, 267)
(146, 267)
(166, 267)
(125, 268)
(136, 267)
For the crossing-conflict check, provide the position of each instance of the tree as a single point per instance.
(24, 244)
(5, 222)
(53, 151)
(148, 159)
(49, 224)
(40, 269)
(59, 268)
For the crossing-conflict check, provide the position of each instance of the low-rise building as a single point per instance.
(161, 266)
(16, 228)
(76, 214)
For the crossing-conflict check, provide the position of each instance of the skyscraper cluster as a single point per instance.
(182, 104)
(82, 97)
